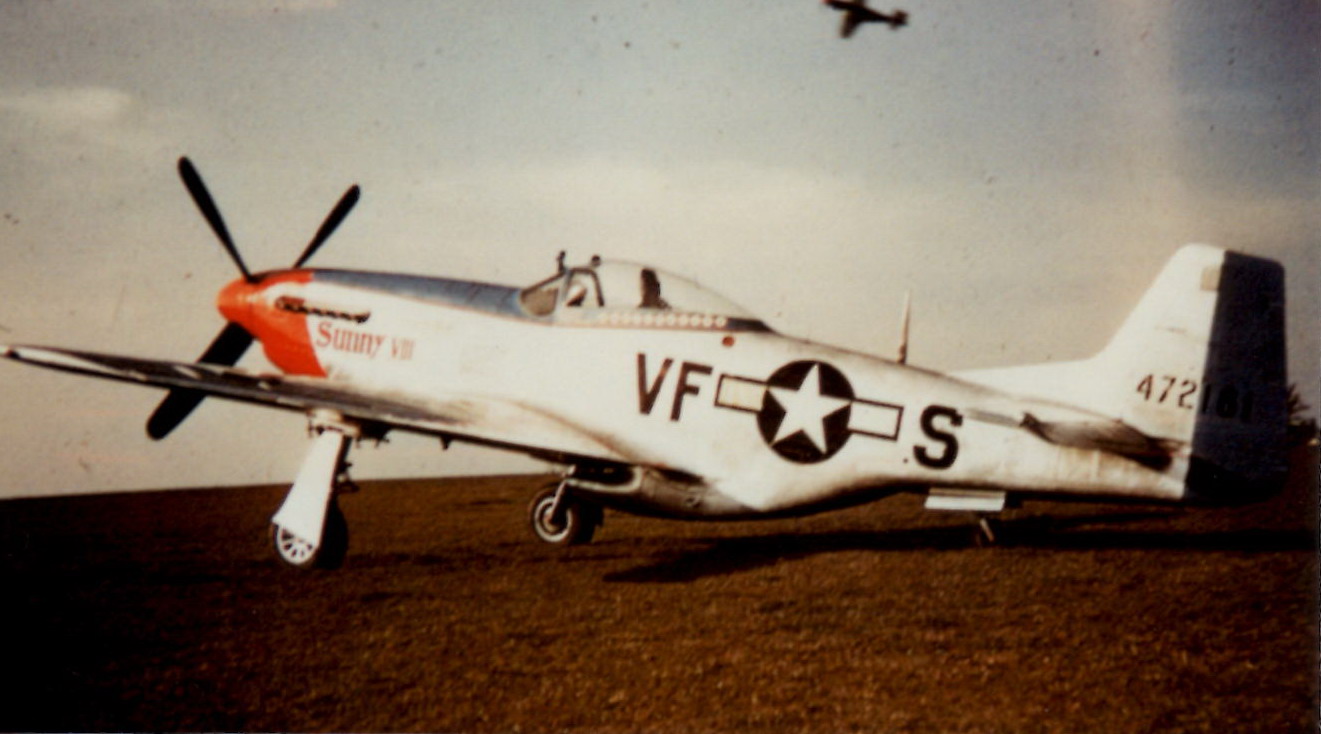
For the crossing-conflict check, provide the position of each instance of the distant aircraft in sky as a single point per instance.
(659, 397)
(856, 13)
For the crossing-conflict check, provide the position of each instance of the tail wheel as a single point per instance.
(299, 553)
(574, 524)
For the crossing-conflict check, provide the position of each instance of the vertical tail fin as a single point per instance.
(1152, 372)
(1199, 361)
(1203, 357)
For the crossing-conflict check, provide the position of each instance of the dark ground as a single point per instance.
(168, 611)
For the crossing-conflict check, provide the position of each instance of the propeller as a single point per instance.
(233, 340)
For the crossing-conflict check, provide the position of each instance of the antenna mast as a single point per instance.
(903, 328)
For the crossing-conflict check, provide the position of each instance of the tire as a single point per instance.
(295, 552)
(578, 523)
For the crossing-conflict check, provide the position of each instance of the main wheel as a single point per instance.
(575, 525)
(299, 553)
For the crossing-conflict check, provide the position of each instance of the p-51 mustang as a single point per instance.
(658, 397)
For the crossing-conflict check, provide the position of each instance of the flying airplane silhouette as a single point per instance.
(856, 13)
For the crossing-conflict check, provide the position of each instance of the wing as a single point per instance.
(501, 423)
(849, 24)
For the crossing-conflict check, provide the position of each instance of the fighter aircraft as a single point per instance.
(656, 396)
(856, 13)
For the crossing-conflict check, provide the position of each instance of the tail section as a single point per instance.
(1200, 362)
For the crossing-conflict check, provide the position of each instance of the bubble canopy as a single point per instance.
(616, 286)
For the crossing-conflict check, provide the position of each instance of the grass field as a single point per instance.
(168, 611)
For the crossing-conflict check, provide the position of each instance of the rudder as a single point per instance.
(1239, 450)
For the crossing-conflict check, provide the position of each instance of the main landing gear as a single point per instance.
(559, 518)
(309, 530)
(301, 553)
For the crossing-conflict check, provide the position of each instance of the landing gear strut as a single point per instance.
(559, 518)
(309, 530)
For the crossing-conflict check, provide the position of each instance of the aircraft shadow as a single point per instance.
(724, 556)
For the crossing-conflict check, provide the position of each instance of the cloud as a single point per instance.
(55, 122)
(252, 8)
(69, 106)
(69, 141)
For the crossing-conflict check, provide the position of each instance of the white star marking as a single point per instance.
(805, 409)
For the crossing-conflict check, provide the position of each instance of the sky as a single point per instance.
(1023, 169)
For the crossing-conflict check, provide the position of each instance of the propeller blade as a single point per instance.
(193, 182)
(226, 350)
(332, 222)
(228, 347)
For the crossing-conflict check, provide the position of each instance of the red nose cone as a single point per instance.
(235, 301)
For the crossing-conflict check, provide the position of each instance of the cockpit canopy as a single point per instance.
(628, 294)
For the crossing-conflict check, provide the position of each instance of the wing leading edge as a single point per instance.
(481, 420)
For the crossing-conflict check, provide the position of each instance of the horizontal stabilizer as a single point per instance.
(1113, 436)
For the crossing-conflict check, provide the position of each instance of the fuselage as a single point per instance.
(757, 422)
